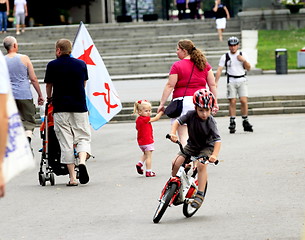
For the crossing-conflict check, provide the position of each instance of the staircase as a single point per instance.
(130, 49)
(133, 51)
(257, 106)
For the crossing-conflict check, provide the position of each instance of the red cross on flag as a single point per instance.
(102, 99)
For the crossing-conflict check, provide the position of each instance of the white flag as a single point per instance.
(102, 99)
(18, 155)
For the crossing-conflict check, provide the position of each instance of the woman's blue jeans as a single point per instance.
(3, 21)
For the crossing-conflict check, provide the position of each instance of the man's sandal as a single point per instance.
(198, 200)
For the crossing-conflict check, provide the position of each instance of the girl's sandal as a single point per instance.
(198, 200)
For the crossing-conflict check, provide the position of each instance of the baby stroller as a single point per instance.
(50, 152)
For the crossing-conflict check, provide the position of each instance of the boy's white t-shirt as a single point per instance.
(4, 77)
(237, 69)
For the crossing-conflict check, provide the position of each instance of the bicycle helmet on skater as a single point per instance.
(204, 98)
(232, 41)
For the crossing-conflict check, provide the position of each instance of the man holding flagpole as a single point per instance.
(65, 80)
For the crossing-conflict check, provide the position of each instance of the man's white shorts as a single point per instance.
(72, 129)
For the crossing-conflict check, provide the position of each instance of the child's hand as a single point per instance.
(212, 158)
(173, 138)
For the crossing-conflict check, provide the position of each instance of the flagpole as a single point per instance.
(80, 24)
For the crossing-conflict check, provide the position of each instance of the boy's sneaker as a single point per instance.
(139, 168)
(232, 127)
(150, 174)
(247, 126)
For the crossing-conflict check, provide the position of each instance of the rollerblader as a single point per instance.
(236, 63)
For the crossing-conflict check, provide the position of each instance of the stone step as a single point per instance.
(131, 30)
(257, 111)
(130, 49)
(42, 53)
(137, 67)
(257, 106)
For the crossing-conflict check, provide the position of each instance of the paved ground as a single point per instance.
(256, 193)
(259, 85)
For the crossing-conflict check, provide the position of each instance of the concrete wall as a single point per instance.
(100, 12)
(280, 19)
(249, 39)
(257, 4)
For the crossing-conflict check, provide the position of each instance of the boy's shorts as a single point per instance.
(235, 89)
(194, 151)
(148, 147)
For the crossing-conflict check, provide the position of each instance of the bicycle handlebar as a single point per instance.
(206, 158)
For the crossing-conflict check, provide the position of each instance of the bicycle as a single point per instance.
(182, 188)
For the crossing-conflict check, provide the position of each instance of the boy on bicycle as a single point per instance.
(203, 138)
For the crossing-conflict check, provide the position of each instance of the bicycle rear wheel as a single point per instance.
(164, 202)
(188, 210)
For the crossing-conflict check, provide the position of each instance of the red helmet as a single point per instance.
(204, 98)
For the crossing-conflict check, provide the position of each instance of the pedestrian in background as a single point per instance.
(221, 14)
(4, 12)
(191, 73)
(4, 89)
(21, 70)
(145, 136)
(181, 6)
(194, 6)
(65, 80)
(236, 63)
(20, 12)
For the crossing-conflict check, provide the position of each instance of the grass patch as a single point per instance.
(269, 40)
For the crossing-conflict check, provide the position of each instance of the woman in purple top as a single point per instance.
(181, 7)
(192, 64)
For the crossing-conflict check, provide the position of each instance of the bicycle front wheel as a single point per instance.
(164, 202)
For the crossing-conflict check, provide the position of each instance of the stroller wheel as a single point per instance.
(42, 179)
(52, 179)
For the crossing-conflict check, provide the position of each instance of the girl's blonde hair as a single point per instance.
(139, 105)
(197, 55)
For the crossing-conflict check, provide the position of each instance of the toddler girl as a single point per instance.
(145, 134)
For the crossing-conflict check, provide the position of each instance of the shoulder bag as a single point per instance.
(174, 108)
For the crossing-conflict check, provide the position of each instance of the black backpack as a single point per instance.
(226, 65)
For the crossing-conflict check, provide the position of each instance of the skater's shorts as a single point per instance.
(235, 89)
